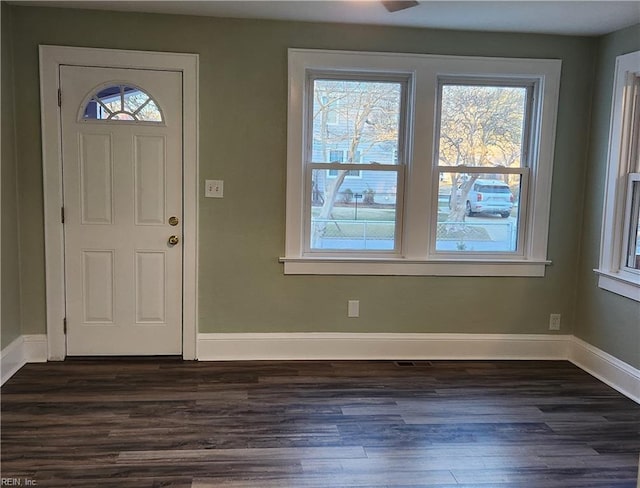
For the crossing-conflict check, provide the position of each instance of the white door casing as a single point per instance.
(52, 58)
(122, 182)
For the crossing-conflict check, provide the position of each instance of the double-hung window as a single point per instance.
(419, 165)
(619, 267)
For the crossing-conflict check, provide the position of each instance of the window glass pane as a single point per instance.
(122, 102)
(354, 215)
(150, 112)
(482, 125)
(110, 99)
(133, 98)
(91, 110)
(336, 156)
(633, 254)
(359, 118)
(478, 212)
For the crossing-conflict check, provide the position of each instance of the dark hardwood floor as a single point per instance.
(153, 423)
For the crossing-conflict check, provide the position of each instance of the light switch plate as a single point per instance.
(213, 188)
(353, 308)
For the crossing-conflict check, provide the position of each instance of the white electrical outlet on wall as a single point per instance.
(554, 321)
(213, 188)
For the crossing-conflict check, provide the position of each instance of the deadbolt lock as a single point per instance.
(173, 221)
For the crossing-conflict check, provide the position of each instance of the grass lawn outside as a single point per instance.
(372, 222)
(379, 223)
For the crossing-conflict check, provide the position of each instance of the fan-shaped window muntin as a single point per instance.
(122, 102)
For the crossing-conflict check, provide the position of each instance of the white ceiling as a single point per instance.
(574, 17)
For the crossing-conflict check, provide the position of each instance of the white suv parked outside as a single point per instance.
(490, 196)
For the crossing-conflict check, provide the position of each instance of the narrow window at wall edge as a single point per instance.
(619, 265)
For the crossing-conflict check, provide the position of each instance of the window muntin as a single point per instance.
(352, 202)
(482, 125)
(122, 102)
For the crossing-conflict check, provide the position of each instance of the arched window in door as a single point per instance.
(122, 102)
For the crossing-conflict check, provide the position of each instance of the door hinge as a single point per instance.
(64, 324)
(62, 214)
(59, 97)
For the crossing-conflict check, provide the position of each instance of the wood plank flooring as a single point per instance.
(375, 424)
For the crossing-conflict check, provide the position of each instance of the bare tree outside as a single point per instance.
(358, 117)
(480, 126)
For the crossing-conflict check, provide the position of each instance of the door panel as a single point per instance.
(150, 286)
(97, 281)
(122, 182)
(96, 167)
(149, 162)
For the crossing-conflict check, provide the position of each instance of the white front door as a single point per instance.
(122, 185)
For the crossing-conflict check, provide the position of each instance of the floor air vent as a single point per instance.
(412, 364)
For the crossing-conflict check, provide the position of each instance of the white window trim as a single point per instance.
(416, 257)
(613, 275)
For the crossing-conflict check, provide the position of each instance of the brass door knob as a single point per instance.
(173, 240)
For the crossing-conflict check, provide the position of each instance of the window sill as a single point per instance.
(406, 267)
(620, 284)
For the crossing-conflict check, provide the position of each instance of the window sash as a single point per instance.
(614, 242)
(522, 212)
(398, 167)
(613, 271)
(376, 77)
(631, 214)
(532, 86)
(528, 151)
(399, 170)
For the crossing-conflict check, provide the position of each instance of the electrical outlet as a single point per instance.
(353, 308)
(213, 188)
(554, 321)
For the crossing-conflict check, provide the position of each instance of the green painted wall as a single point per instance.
(10, 321)
(604, 319)
(243, 102)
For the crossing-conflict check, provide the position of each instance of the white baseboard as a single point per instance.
(607, 368)
(24, 349)
(371, 346)
(318, 345)
(12, 358)
(35, 348)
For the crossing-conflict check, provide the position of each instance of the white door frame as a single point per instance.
(51, 57)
